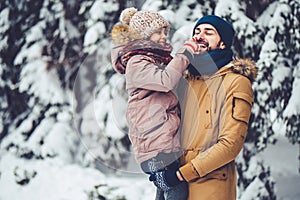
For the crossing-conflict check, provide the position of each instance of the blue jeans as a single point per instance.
(178, 192)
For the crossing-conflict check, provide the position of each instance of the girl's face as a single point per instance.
(208, 36)
(160, 36)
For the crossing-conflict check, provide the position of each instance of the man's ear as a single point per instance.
(222, 45)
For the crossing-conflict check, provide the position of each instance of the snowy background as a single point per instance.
(62, 125)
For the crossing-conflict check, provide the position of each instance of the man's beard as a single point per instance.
(209, 47)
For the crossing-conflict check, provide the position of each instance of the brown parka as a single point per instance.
(216, 112)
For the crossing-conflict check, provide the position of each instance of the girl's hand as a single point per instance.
(194, 47)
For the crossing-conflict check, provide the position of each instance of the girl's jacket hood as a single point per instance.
(118, 67)
(160, 53)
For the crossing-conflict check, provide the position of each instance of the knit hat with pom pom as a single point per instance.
(138, 24)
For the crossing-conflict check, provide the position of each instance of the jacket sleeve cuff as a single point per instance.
(185, 52)
(189, 172)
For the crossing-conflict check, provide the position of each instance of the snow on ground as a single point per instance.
(54, 180)
(283, 160)
(132, 187)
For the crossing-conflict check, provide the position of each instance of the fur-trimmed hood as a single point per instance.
(242, 66)
(121, 34)
(245, 67)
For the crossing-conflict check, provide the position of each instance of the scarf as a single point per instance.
(158, 52)
(209, 63)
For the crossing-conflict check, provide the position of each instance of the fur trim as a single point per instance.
(245, 67)
(122, 34)
(119, 34)
(127, 14)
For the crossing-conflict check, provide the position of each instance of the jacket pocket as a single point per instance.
(241, 107)
(220, 173)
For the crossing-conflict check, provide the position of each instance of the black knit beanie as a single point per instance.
(223, 27)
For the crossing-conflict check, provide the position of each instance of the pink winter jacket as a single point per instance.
(153, 109)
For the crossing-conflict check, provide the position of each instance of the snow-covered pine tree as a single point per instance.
(279, 61)
(288, 37)
(38, 122)
(99, 92)
(277, 109)
(41, 48)
(50, 48)
(273, 42)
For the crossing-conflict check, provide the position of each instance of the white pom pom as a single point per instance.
(127, 14)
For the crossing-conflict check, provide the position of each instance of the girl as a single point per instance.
(143, 55)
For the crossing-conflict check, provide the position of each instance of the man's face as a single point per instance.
(208, 36)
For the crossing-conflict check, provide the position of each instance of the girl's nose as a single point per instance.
(163, 35)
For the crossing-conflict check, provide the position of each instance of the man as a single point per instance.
(216, 112)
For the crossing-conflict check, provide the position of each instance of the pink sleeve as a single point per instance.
(141, 73)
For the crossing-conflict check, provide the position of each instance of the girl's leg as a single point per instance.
(159, 194)
(178, 192)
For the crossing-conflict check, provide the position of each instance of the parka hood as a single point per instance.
(242, 66)
(245, 67)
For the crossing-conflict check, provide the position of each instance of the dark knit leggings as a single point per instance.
(177, 192)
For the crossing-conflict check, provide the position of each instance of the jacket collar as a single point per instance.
(242, 66)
